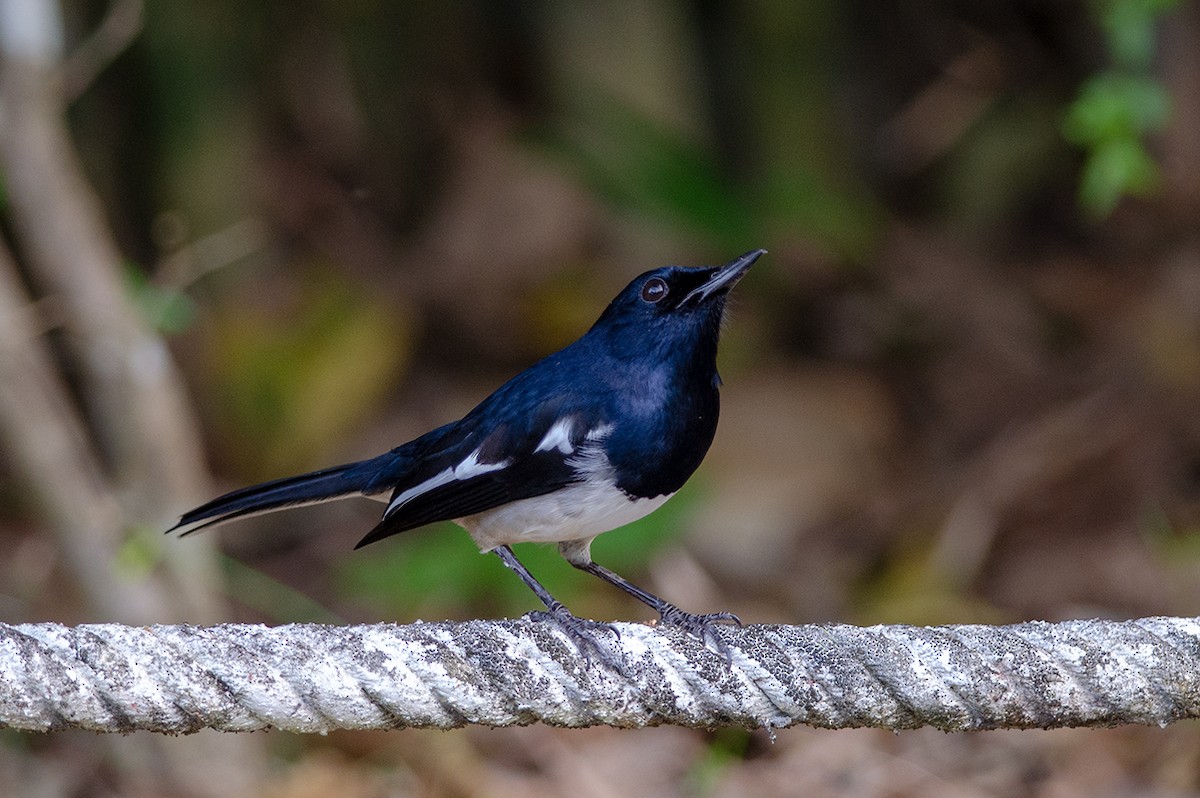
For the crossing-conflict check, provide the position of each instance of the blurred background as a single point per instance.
(243, 240)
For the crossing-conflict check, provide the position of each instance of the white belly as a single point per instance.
(580, 512)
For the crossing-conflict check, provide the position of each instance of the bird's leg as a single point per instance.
(700, 626)
(578, 629)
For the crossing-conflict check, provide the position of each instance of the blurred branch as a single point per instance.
(120, 26)
(312, 678)
(48, 444)
(141, 425)
(60, 222)
(135, 455)
(209, 253)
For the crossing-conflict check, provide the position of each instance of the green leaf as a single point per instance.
(1114, 105)
(1115, 169)
(167, 310)
(1130, 28)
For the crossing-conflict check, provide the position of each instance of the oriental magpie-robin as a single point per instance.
(585, 440)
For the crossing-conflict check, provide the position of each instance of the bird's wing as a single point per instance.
(485, 465)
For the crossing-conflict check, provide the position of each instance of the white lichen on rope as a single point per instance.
(313, 678)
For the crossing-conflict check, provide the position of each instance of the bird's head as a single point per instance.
(672, 307)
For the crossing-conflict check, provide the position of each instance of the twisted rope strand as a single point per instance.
(313, 678)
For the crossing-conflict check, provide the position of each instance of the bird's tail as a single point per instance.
(366, 478)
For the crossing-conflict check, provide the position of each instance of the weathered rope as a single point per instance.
(312, 678)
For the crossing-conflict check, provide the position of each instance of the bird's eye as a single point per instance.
(654, 289)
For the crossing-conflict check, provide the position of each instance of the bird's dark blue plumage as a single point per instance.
(585, 440)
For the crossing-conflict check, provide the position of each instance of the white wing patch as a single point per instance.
(559, 437)
(590, 462)
(470, 467)
(599, 433)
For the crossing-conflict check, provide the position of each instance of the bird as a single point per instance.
(586, 440)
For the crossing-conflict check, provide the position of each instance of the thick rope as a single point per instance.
(312, 678)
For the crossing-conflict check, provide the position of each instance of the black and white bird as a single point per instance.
(586, 440)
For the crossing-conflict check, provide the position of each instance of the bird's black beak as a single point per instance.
(725, 277)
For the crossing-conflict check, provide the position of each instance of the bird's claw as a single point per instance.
(702, 626)
(583, 633)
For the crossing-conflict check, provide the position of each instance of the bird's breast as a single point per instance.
(577, 512)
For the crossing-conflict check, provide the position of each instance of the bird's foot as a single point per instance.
(703, 627)
(583, 634)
